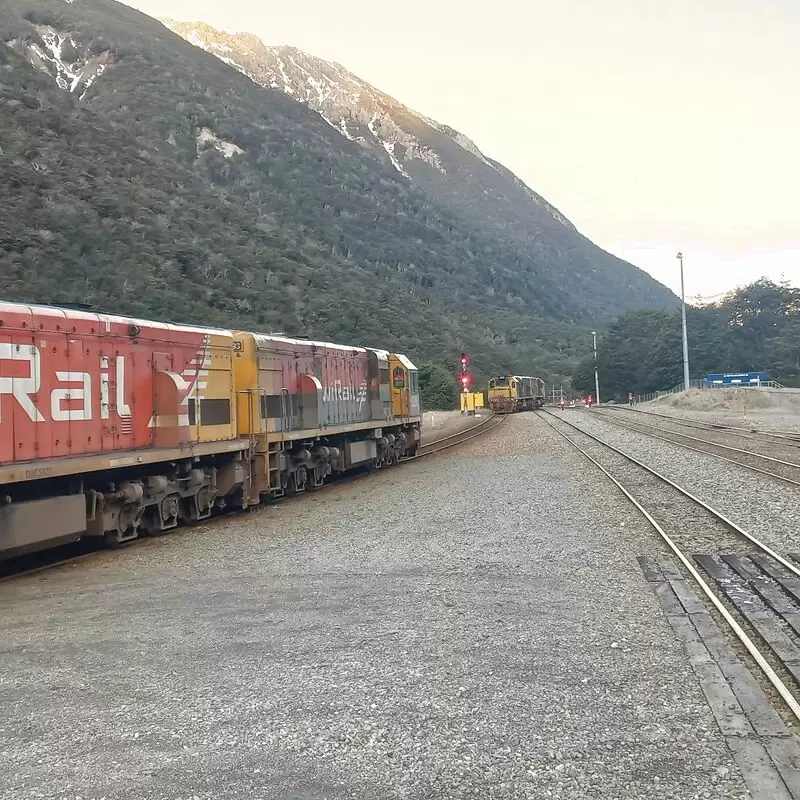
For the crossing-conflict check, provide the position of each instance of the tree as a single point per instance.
(438, 387)
(755, 328)
(582, 380)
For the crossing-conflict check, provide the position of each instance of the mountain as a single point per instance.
(144, 175)
(416, 146)
(442, 161)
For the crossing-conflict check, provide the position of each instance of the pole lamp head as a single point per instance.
(679, 256)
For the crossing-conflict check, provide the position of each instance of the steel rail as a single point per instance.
(741, 634)
(462, 436)
(632, 426)
(726, 447)
(719, 515)
(791, 438)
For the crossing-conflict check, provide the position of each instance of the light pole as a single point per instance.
(683, 325)
(596, 382)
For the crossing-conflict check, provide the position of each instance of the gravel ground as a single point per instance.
(438, 424)
(762, 506)
(752, 444)
(471, 626)
(689, 525)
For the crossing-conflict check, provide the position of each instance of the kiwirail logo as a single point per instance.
(71, 399)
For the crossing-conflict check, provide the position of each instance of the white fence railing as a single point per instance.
(644, 398)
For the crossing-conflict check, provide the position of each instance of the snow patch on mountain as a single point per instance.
(91, 79)
(72, 65)
(67, 77)
(388, 146)
(206, 136)
(339, 97)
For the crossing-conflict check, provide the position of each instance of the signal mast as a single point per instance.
(465, 378)
(464, 381)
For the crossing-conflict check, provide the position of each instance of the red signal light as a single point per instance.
(464, 360)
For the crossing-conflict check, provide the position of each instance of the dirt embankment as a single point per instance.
(773, 408)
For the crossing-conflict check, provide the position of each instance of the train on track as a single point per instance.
(117, 428)
(509, 393)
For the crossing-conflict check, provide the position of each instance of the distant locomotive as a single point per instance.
(509, 393)
(116, 428)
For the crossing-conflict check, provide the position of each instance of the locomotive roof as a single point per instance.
(404, 361)
(61, 312)
(262, 339)
(383, 354)
(35, 309)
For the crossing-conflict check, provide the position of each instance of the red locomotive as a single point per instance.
(114, 427)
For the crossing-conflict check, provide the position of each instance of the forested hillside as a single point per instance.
(452, 170)
(754, 328)
(142, 175)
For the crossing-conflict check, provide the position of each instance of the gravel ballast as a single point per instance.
(764, 507)
(474, 625)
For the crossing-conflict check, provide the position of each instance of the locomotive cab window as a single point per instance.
(414, 383)
(399, 378)
(495, 382)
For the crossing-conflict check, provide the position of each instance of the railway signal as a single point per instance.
(464, 378)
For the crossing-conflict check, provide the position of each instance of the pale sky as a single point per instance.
(654, 125)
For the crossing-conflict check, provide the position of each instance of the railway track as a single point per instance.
(446, 442)
(780, 469)
(788, 437)
(758, 590)
(40, 562)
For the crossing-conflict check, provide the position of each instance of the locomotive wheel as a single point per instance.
(169, 510)
(130, 516)
(312, 480)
